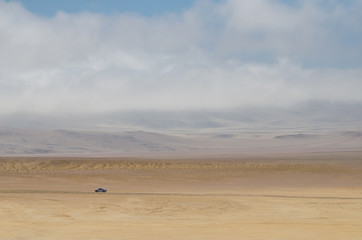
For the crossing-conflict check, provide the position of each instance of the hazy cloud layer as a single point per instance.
(213, 56)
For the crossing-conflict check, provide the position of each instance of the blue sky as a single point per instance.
(144, 7)
(49, 8)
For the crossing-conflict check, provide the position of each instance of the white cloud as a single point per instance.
(214, 56)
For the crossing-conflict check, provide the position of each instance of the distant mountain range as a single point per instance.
(16, 142)
(315, 126)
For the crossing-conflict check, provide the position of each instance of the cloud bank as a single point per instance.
(223, 55)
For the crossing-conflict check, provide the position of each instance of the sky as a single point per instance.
(148, 8)
(100, 57)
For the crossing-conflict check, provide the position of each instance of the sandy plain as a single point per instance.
(285, 196)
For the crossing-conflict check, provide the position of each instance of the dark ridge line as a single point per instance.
(178, 194)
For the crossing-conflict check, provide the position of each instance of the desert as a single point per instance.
(270, 196)
(170, 120)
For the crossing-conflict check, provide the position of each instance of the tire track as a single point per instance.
(178, 194)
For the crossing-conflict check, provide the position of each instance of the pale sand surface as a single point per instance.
(310, 196)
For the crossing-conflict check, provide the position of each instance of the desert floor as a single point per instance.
(295, 196)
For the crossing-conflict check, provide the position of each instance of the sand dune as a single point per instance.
(44, 165)
(202, 174)
(54, 216)
(311, 196)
